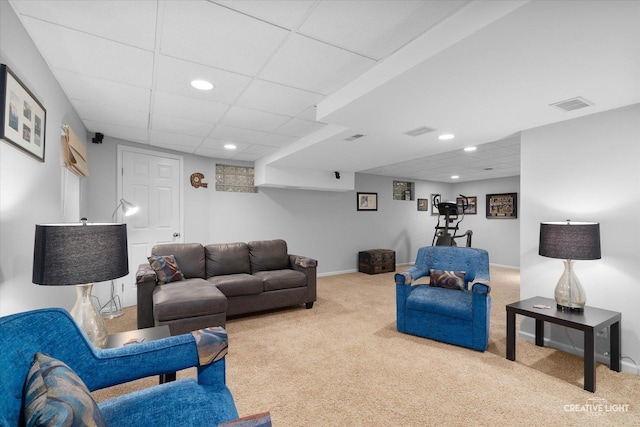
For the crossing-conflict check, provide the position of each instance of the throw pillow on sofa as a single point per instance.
(166, 268)
(447, 279)
(55, 395)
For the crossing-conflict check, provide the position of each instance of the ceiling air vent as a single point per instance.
(354, 137)
(419, 131)
(572, 104)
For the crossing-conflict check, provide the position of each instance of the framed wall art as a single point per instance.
(367, 201)
(434, 205)
(504, 205)
(23, 116)
(472, 205)
(423, 205)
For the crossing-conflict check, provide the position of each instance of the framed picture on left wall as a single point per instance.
(24, 118)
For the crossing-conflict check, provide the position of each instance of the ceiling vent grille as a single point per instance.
(354, 137)
(419, 131)
(572, 104)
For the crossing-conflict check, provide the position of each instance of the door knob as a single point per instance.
(176, 234)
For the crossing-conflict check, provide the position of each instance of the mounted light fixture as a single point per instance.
(202, 84)
(446, 136)
(230, 146)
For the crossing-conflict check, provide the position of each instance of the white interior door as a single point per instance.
(153, 182)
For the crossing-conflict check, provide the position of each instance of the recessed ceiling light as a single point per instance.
(202, 84)
(446, 136)
(455, 176)
(470, 148)
(230, 146)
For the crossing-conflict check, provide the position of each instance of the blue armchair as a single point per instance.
(53, 332)
(459, 317)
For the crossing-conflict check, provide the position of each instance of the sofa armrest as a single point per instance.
(146, 281)
(481, 288)
(309, 267)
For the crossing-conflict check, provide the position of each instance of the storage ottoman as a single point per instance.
(376, 261)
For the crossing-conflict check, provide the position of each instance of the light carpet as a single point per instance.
(343, 363)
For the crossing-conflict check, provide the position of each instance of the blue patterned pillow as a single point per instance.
(55, 396)
(447, 279)
(166, 268)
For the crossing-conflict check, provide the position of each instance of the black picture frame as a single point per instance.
(24, 118)
(502, 206)
(367, 201)
(423, 205)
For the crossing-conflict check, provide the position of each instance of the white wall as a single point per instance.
(586, 169)
(32, 192)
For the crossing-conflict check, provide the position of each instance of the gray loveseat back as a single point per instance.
(189, 256)
(227, 258)
(267, 255)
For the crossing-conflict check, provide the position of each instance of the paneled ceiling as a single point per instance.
(293, 79)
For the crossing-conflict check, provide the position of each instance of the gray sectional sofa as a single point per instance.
(215, 281)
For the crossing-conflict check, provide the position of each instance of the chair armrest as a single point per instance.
(114, 366)
(481, 287)
(146, 280)
(408, 276)
(309, 267)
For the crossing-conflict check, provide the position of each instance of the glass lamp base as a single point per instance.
(569, 293)
(88, 318)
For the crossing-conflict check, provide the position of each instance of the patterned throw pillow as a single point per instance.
(166, 268)
(55, 396)
(447, 279)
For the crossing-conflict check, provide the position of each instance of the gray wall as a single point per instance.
(32, 192)
(586, 169)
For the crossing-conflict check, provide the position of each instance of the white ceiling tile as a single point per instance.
(99, 91)
(106, 114)
(131, 22)
(174, 141)
(234, 41)
(117, 131)
(314, 66)
(216, 154)
(188, 108)
(278, 99)
(179, 125)
(277, 140)
(375, 28)
(286, 13)
(253, 119)
(234, 134)
(83, 53)
(262, 150)
(299, 128)
(309, 114)
(175, 76)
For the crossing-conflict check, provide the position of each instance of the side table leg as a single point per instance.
(511, 335)
(615, 350)
(590, 360)
(540, 333)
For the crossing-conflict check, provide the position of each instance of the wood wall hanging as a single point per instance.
(196, 180)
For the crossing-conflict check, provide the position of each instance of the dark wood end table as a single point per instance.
(589, 321)
(136, 336)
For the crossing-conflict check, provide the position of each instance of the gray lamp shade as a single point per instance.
(570, 240)
(72, 254)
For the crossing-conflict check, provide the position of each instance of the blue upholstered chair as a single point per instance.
(459, 317)
(53, 332)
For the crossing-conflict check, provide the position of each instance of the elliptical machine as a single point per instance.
(448, 212)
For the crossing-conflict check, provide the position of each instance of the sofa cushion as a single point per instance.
(268, 255)
(227, 258)
(281, 279)
(54, 395)
(188, 298)
(189, 256)
(447, 302)
(166, 268)
(236, 285)
(447, 279)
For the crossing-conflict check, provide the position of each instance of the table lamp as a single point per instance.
(570, 241)
(81, 254)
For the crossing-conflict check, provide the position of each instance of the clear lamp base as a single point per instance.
(88, 318)
(569, 293)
